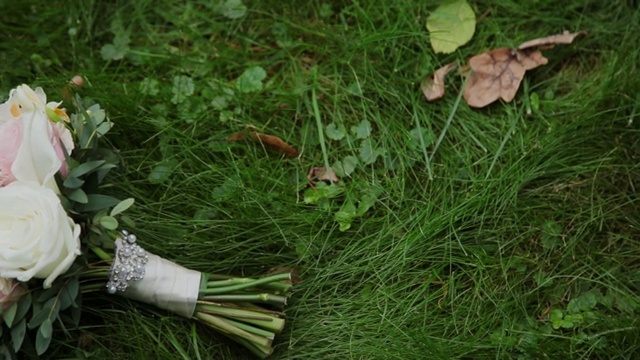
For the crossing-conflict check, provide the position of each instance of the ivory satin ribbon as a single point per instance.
(166, 285)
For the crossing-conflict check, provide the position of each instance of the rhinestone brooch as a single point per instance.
(128, 264)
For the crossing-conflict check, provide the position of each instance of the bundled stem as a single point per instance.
(247, 310)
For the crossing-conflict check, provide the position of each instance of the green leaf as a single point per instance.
(325, 10)
(109, 222)
(43, 338)
(24, 305)
(584, 302)
(220, 102)
(72, 182)
(78, 196)
(627, 304)
(251, 80)
(9, 314)
(354, 89)
(346, 166)
(98, 202)
(233, 9)
(149, 86)
(111, 52)
(420, 138)
(555, 316)
(567, 322)
(451, 25)
(363, 130)
(18, 333)
(104, 128)
(345, 215)
(96, 114)
(323, 191)
(335, 132)
(39, 317)
(160, 173)
(122, 206)
(46, 328)
(183, 87)
(368, 153)
(366, 203)
(69, 293)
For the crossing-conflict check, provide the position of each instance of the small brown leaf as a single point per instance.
(268, 140)
(236, 137)
(550, 41)
(433, 87)
(321, 174)
(274, 142)
(497, 74)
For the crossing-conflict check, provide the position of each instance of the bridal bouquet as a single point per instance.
(60, 237)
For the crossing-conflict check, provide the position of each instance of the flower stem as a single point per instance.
(259, 345)
(276, 300)
(265, 321)
(243, 283)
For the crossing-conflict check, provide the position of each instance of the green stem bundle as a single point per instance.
(247, 310)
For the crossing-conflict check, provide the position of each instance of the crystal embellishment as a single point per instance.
(128, 264)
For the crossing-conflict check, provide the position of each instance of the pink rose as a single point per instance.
(10, 292)
(10, 140)
(32, 145)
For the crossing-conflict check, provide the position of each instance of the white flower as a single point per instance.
(37, 238)
(39, 154)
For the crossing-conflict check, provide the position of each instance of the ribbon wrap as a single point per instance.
(166, 285)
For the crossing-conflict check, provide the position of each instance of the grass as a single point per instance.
(531, 210)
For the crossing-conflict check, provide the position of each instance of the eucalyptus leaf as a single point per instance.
(72, 182)
(46, 328)
(122, 206)
(9, 314)
(18, 332)
(68, 293)
(98, 202)
(79, 196)
(24, 305)
(109, 222)
(43, 337)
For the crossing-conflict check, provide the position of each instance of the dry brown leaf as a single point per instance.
(274, 142)
(433, 87)
(550, 41)
(497, 74)
(236, 137)
(268, 140)
(321, 174)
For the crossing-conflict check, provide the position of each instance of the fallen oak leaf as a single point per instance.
(268, 140)
(551, 41)
(433, 87)
(497, 74)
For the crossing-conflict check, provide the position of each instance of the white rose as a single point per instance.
(37, 238)
(40, 154)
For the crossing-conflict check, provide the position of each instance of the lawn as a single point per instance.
(511, 231)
